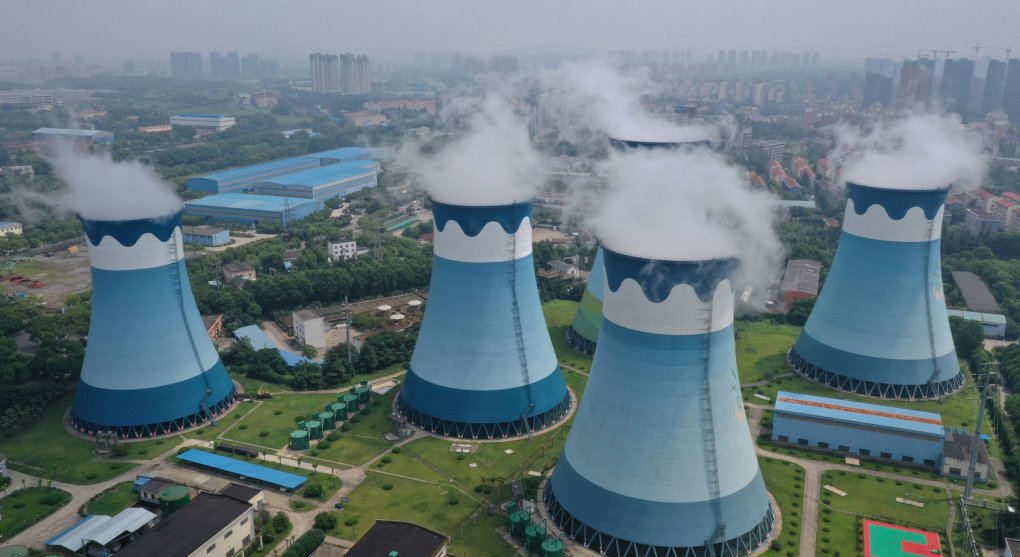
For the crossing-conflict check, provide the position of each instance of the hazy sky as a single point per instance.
(844, 30)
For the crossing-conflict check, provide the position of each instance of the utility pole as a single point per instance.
(347, 326)
(977, 432)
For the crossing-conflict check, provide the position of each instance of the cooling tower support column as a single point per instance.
(659, 460)
(483, 366)
(149, 367)
(879, 326)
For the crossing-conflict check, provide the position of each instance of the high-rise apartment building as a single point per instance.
(954, 89)
(325, 73)
(1011, 91)
(250, 66)
(186, 65)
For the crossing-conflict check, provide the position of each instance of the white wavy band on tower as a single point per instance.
(491, 245)
(876, 224)
(147, 253)
(681, 313)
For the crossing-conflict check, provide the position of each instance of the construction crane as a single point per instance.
(1008, 51)
(977, 48)
(948, 52)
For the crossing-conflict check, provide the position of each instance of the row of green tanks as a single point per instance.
(535, 537)
(333, 416)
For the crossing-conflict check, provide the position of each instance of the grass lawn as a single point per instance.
(407, 464)
(275, 416)
(111, 502)
(25, 507)
(785, 481)
(144, 450)
(252, 385)
(876, 498)
(480, 538)
(44, 449)
(363, 439)
(559, 314)
(761, 349)
(422, 503)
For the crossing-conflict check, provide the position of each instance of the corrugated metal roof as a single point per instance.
(887, 417)
(68, 131)
(102, 529)
(994, 318)
(250, 201)
(802, 276)
(975, 292)
(267, 168)
(242, 468)
(260, 340)
(324, 175)
(345, 153)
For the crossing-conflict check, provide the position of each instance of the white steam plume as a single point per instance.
(100, 189)
(493, 163)
(919, 151)
(688, 204)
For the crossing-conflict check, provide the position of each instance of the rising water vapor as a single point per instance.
(100, 189)
(918, 151)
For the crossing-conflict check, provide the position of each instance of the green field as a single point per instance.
(111, 502)
(423, 503)
(278, 425)
(252, 385)
(785, 481)
(558, 316)
(363, 439)
(46, 450)
(761, 349)
(25, 507)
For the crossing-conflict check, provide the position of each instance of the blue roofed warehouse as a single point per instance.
(326, 182)
(249, 208)
(247, 471)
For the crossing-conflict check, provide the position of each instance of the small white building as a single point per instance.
(565, 268)
(216, 122)
(10, 227)
(3, 467)
(310, 328)
(342, 251)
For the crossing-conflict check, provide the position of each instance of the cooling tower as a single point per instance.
(583, 333)
(879, 326)
(484, 365)
(149, 366)
(659, 460)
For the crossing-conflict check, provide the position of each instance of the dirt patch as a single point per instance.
(62, 274)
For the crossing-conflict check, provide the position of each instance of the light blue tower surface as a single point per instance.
(483, 365)
(150, 367)
(659, 460)
(879, 326)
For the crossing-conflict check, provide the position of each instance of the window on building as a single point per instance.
(929, 462)
(245, 521)
(954, 472)
(784, 439)
(210, 548)
(823, 445)
(908, 458)
(231, 552)
(865, 452)
(885, 455)
(228, 534)
(802, 441)
(844, 448)
(246, 540)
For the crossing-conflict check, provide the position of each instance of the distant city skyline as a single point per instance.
(844, 32)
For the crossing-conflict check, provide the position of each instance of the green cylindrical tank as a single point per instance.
(339, 411)
(364, 383)
(552, 547)
(364, 394)
(327, 419)
(534, 535)
(511, 508)
(172, 498)
(351, 401)
(299, 440)
(518, 523)
(314, 429)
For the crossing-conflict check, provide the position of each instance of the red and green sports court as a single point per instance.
(889, 540)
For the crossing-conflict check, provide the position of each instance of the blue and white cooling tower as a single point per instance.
(583, 332)
(879, 326)
(660, 461)
(149, 366)
(483, 365)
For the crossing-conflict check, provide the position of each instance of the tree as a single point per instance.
(800, 310)
(280, 523)
(325, 521)
(968, 336)
(309, 351)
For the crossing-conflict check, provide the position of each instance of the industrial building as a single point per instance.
(309, 328)
(857, 428)
(216, 122)
(260, 341)
(956, 457)
(239, 271)
(992, 324)
(975, 293)
(403, 539)
(10, 227)
(149, 368)
(325, 182)
(206, 236)
(483, 365)
(659, 459)
(247, 471)
(583, 332)
(87, 137)
(342, 251)
(251, 209)
(241, 179)
(800, 281)
(210, 525)
(879, 326)
(98, 534)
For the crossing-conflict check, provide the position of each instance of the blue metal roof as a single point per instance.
(242, 468)
(278, 166)
(260, 340)
(346, 153)
(251, 202)
(887, 417)
(325, 174)
(68, 131)
(192, 115)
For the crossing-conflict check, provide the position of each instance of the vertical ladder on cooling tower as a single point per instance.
(176, 282)
(708, 434)
(515, 312)
(928, 293)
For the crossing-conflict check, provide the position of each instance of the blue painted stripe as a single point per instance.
(139, 407)
(878, 370)
(658, 278)
(482, 407)
(472, 219)
(897, 202)
(127, 232)
(657, 523)
(874, 300)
